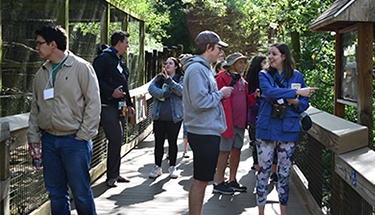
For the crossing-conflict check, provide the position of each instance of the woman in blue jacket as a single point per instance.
(278, 126)
(167, 113)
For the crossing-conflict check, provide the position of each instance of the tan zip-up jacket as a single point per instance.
(75, 107)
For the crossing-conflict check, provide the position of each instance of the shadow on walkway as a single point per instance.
(164, 195)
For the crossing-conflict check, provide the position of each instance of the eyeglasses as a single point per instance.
(220, 48)
(38, 43)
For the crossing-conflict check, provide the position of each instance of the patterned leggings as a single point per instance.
(285, 151)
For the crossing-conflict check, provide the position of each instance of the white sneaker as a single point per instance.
(172, 172)
(155, 172)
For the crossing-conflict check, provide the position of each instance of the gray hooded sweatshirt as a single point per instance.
(203, 112)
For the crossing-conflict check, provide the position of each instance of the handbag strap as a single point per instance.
(273, 74)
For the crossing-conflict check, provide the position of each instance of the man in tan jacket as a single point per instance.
(64, 117)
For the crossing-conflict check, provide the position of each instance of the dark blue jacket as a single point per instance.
(110, 78)
(271, 128)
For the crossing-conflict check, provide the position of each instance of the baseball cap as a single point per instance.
(207, 37)
(232, 58)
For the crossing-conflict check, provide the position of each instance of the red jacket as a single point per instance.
(223, 79)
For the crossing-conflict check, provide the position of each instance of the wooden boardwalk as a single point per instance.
(164, 195)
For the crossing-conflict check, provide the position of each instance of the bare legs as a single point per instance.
(196, 196)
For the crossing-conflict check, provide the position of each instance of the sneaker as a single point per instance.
(236, 186)
(172, 172)
(223, 189)
(185, 155)
(155, 172)
(274, 177)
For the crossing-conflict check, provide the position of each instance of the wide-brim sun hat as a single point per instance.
(208, 37)
(232, 58)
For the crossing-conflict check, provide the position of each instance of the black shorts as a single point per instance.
(205, 154)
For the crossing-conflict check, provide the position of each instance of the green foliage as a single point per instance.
(155, 20)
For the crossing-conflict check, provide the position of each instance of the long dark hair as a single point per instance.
(252, 70)
(289, 64)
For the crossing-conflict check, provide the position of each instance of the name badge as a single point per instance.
(280, 101)
(295, 86)
(119, 68)
(48, 93)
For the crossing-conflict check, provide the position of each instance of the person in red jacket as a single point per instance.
(236, 111)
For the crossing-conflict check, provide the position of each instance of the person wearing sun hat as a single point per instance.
(236, 111)
(203, 113)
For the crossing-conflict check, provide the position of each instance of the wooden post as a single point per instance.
(142, 79)
(104, 25)
(62, 19)
(165, 53)
(125, 27)
(154, 60)
(1, 60)
(180, 49)
(339, 109)
(365, 77)
(4, 168)
(125, 23)
(174, 51)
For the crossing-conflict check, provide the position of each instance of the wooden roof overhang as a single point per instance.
(343, 13)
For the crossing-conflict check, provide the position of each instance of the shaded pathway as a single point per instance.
(164, 195)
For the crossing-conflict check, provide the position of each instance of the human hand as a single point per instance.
(131, 111)
(167, 94)
(306, 91)
(257, 93)
(227, 91)
(165, 74)
(294, 102)
(33, 147)
(117, 93)
(77, 138)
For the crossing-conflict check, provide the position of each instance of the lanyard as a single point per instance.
(53, 70)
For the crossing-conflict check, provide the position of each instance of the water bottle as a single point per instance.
(36, 155)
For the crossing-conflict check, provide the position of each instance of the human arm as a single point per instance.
(91, 112)
(154, 90)
(101, 65)
(34, 132)
(222, 85)
(175, 87)
(201, 89)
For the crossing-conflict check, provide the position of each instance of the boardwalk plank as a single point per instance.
(164, 195)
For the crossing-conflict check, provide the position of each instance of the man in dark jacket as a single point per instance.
(113, 73)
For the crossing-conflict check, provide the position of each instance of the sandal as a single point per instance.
(112, 182)
(122, 179)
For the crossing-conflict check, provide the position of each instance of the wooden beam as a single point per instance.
(337, 134)
(365, 77)
(142, 38)
(104, 25)
(357, 169)
(338, 108)
(62, 19)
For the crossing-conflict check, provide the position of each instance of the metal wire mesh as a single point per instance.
(27, 190)
(331, 192)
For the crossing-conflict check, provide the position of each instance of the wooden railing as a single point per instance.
(13, 136)
(349, 187)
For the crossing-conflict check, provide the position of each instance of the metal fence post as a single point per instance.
(4, 168)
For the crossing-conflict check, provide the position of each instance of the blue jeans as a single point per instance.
(66, 161)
